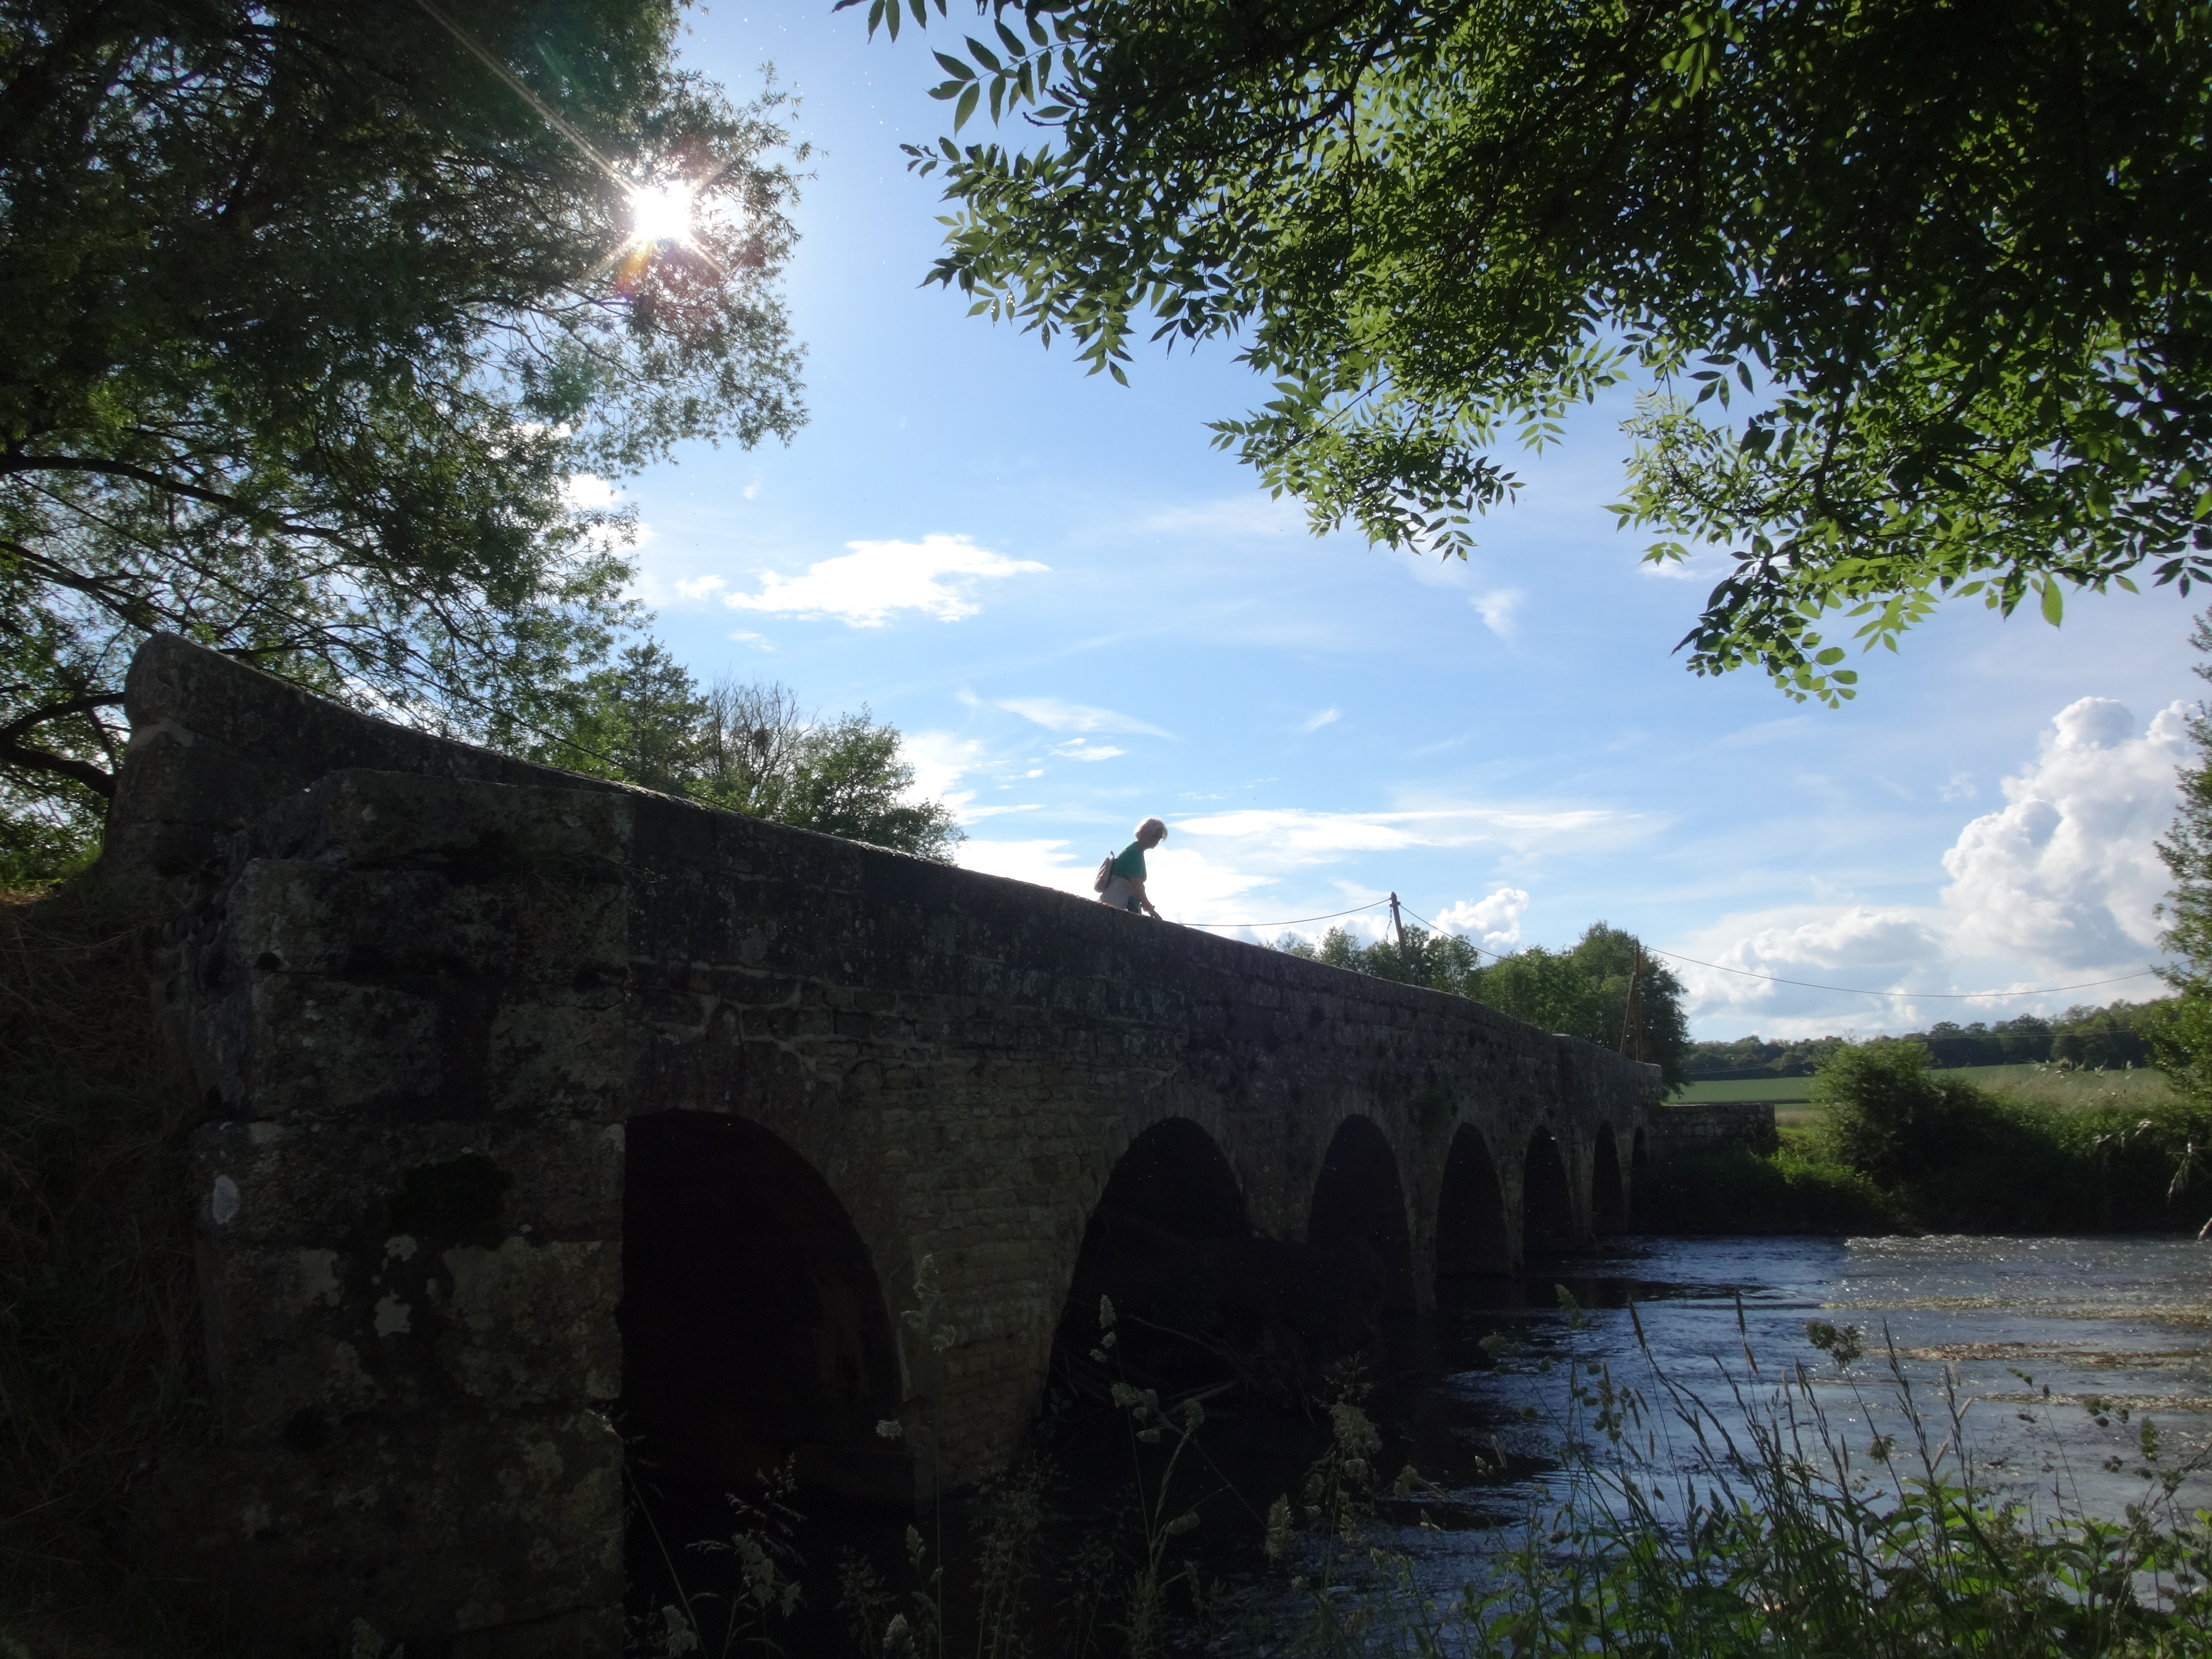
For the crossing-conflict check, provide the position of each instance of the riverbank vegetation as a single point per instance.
(1894, 1144)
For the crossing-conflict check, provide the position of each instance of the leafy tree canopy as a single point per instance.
(2181, 1035)
(313, 312)
(746, 748)
(1584, 991)
(1954, 255)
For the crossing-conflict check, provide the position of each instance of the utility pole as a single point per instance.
(1631, 1026)
(1399, 922)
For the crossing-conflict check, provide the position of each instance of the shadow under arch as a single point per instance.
(1471, 1234)
(1547, 1204)
(1608, 1197)
(753, 1327)
(1202, 1303)
(1359, 1209)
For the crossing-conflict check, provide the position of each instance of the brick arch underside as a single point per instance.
(1609, 1189)
(1201, 1298)
(1474, 1235)
(1358, 1210)
(1547, 1204)
(754, 1325)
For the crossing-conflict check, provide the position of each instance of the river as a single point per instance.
(2019, 1332)
(1996, 1321)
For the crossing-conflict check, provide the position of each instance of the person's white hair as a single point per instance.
(1151, 824)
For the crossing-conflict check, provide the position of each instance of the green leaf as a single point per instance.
(2054, 603)
(966, 105)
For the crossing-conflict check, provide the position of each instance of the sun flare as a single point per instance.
(661, 213)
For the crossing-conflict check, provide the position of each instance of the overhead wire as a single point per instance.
(1293, 922)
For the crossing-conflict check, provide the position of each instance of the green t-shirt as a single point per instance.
(1129, 863)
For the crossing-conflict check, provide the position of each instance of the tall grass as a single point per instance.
(96, 1298)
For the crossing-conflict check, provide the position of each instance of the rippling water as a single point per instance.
(2127, 1320)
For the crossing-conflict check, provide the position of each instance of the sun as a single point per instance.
(661, 213)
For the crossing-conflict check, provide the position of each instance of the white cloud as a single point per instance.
(751, 491)
(699, 588)
(935, 576)
(1314, 722)
(587, 492)
(1295, 835)
(1046, 862)
(1495, 921)
(1057, 714)
(940, 760)
(1960, 787)
(1084, 749)
(2067, 875)
(2055, 889)
(1893, 949)
(977, 814)
(758, 641)
(1497, 610)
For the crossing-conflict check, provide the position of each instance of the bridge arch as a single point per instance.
(1471, 1234)
(754, 1328)
(1608, 1192)
(1171, 1210)
(1358, 1207)
(1547, 1201)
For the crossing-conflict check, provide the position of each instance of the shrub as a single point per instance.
(1884, 1114)
(1736, 1191)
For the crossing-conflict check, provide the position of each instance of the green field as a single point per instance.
(2042, 1083)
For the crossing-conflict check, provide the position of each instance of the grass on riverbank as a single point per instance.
(2038, 1085)
(1887, 1144)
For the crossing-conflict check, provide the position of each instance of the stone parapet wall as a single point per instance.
(1713, 1126)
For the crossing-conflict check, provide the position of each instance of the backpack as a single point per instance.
(1104, 878)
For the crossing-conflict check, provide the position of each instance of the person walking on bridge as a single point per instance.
(1124, 884)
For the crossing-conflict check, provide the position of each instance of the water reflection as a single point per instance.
(2028, 1329)
(2024, 1331)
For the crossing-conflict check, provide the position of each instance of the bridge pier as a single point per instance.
(513, 1078)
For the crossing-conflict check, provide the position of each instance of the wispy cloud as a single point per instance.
(935, 576)
(1314, 722)
(1295, 835)
(1497, 610)
(1235, 515)
(1084, 749)
(1057, 714)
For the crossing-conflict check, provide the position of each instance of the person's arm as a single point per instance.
(1137, 891)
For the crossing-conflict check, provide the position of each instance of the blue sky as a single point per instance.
(1080, 614)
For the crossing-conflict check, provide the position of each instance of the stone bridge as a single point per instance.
(533, 1105)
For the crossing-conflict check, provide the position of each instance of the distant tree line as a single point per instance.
(1605, 987)
(2115, 1035)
